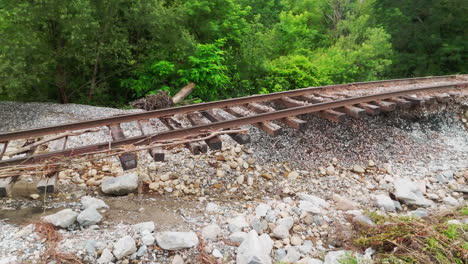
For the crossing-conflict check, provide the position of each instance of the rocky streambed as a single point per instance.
(295, 198)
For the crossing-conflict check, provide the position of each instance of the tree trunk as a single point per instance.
(184, 92)
(92, 88)
(61, 82)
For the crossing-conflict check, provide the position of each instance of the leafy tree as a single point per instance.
(430, 37)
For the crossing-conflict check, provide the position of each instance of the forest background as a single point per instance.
(110, 52)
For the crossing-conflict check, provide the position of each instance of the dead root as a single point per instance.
(413, 240)
(203, 257)
(153, 101)
(48, 232)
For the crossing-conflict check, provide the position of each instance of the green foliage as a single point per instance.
(110, 52)
(290, 72)
(409, 240)
(430, 37)
(208, 71)
(206, 68)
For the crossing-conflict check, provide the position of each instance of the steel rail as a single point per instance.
(179, 133)
(191, 108)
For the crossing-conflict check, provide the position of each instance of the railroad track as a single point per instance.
(198, 127)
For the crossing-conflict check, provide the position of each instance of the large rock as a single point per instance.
(88, 201)
(89, 216)
(343, 203)
(124, 247)
(254, 249)
(176, 240)
(211, 232)
(144, 227)
(106, 257)
(121, 185)
(292, 256)
(409, 192)
(238, 237)
(236, 224)
(308, 260)
(317, 201)
(281, 232)
(262, 209)
(385, 202)
(63, 219)
(308, 207)
(335, 257)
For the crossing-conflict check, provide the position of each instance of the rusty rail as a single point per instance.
(197, 107)
(182, 132)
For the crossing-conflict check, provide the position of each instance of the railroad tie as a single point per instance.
(269, 127)
(370, 108)
(429, 99)
(194, 147)
(442, 98)
(385, 106)
(214, 117)
(291, 121)
(329, 114)
(416, 101)
(400, 102)
(157, 153)
(127, 160)
(6, 184)
(47, 183)
(196, 119)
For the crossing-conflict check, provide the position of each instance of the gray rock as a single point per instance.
(309, 207)
(317, 201)
(106, 257)
(358, 169)
(343, 203)
(280, 253)
(124, 247)
(335, 257)
(25, 231)
(216, 253)
(176, 240)
(236, 224)
(421, 213)
(410, 193)
(212, 207)
(281, 232)
(142, 251)
(8, 260)
(62, 219)
(88, 201)
(305, 248)
(262, 209)
(90, 247)
(308, 260)
(121, 185)
(292, 256)
(211, 232)
(385, 202)
(449, 200)
(288, 222)
(89, 216)
(254, 249)
(444, 176)
(148, 239)
(454, 222)
(363, 220)
(238, 237)
(177, 260)
(144, 227)
(259, 225)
